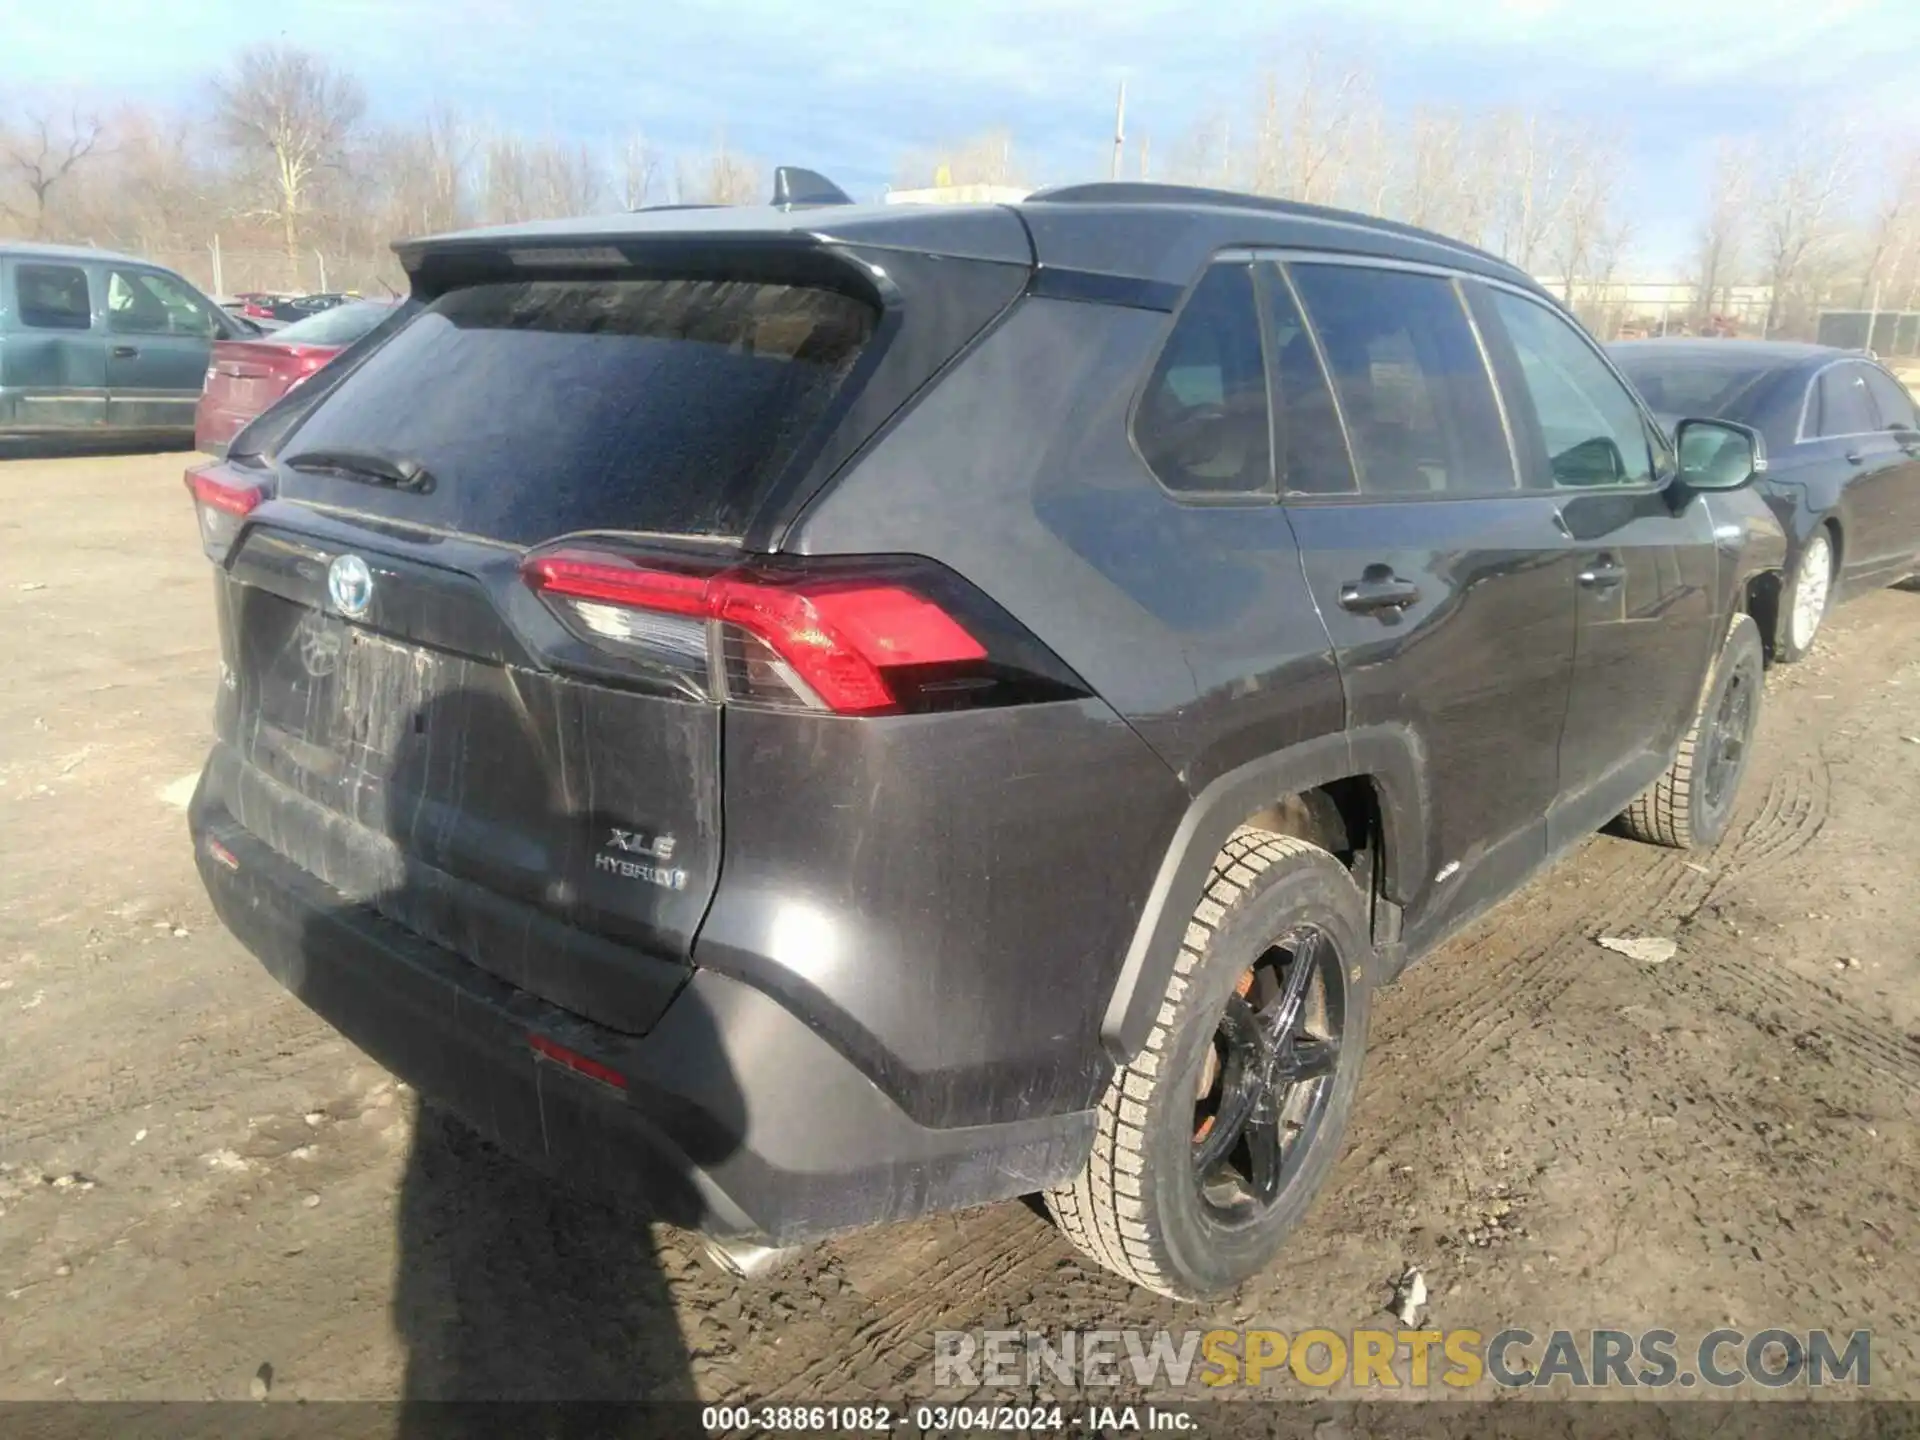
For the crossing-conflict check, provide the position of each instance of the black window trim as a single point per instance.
(1278, 273)
(1281, 258)
(1659, 482)
(1800, 435)
(1268, 495)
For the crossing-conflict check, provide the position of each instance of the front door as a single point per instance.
(1447, 589)
(53, 361)
(1645, 576)
(160, 333)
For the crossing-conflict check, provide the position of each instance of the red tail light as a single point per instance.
(833, 642)
(223, 502)
(255, 309)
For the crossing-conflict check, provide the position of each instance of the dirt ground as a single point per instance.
(198, 1179)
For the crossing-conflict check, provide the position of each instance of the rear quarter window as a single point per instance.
(546, 407)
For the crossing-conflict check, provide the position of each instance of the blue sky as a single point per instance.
(848, 87)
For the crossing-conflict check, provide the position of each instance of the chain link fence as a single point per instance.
(223, 272)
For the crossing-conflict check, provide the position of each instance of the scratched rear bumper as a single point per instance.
(736, 1118)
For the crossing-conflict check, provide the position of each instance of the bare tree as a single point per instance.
(1450, 177)
(1304, 144)
(723, 177)
(1798, 211)
(425, 172)
(1894, 232)
(1724, 232)
(293, 115)
(43, 154)
(1582, 240)
(1534, 197)
(639, 169)
(566, 179)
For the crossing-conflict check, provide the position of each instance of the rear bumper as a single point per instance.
(736, 1118)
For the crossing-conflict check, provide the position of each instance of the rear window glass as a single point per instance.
(1844, 406)
(544, 407)
(1691, 384)
(342, 325)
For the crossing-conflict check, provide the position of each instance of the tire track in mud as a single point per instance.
(995, 1259)
(1646, 887)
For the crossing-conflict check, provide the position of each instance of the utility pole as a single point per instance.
(1119, 130)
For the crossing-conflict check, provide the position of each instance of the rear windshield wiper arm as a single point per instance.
(367, 466)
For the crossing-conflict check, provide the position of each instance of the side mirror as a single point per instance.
(1718, 454)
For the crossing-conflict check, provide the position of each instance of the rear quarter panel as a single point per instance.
(996, 873)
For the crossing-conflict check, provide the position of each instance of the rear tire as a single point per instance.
(1688, 807)
(1150, 1205)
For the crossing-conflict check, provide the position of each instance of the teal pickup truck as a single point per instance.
(101, 347)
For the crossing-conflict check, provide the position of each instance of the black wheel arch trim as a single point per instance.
(1391, 757)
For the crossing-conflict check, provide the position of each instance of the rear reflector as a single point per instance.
(576, 1062)
(829, 642)
(223, 503)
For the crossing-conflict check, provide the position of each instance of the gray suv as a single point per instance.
(810, 717)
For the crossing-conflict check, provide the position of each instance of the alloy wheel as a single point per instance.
(1811, 587)
(1264, 1085)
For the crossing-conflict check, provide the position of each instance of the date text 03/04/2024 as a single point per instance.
(939, 1419)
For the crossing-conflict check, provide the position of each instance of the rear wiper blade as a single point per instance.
(367, 466)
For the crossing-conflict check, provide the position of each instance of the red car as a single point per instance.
(246, 376)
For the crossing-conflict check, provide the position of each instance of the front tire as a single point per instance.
(1805, 599)
(1689, 806)
(1213, 1142)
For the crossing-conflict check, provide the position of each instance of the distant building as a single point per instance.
(959, 195)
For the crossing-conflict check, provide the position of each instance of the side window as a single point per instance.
(1412, 382)
(1594, 433)
(142, 303)
(53, 297)
(1202, 423)
(1890, 400)
(1842, 405)
(1309, 452)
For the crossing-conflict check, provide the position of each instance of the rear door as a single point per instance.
(1842, 427)
(53, 358)
(1894, 408)
(160, 333)
(409, 722)
(1447, 588)
(1646, 575)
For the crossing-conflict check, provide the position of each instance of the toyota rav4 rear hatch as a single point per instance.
(427, 707)
(405, 718)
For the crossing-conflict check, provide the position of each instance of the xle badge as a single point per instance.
(635, 855)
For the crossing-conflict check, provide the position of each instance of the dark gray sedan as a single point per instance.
(1843, 459)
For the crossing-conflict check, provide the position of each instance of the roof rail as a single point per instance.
(1148, 192)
